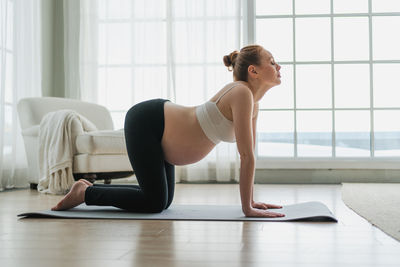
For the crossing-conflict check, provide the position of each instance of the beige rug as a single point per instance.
(377, 203)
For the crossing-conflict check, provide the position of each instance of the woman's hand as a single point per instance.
(262, 213)
(264, 206)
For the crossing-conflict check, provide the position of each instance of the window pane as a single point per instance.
(102, 7)
(386, 40)
(154, 51)
(351, 41)
(115, 43)
(102, 44)
(1, 60)
(385, 5)
(118, 119)
(312, 6)
(353, 6)
(187, 8)
(115, 88)
(386, 85)
(280, 96)
(189, 42)
(114, 9)
(149, 9)
(221, 8)
(150, 82)
(352, 88)
(188, 92)
(8, 137)
(387, 133)
(313, 86)
(313, 39)
(275, 134)
(10, 25)
(273, 7)
(314, 133)
(352, 133)
(219, 30)
(217, 77)
(9, 78)
(276, 35)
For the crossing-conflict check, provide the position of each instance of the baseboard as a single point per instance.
(326, 176)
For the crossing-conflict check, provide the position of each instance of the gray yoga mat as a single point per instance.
(307, 211)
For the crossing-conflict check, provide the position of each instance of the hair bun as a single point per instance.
(229, 60)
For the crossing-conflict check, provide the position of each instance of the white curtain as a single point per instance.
(20, 76)
(133, 50)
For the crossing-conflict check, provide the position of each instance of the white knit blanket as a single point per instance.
(57, 133)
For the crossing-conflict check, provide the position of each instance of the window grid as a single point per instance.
(332, 63)
(333, 83)
(334, 15)
(371, 79)
(249, 34)
(294, 82)
(168, 65)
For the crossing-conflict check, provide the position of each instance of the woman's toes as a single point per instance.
(57, 207)
(75, 197)
(86, 182)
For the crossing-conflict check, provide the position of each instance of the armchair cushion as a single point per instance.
(86, 163)
(101, 142)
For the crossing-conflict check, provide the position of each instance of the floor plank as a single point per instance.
(87, 242)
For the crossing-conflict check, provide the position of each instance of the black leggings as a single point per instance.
(144, 127)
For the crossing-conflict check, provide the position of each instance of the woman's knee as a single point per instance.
(156, 205)
(170, 197)
(156, 208)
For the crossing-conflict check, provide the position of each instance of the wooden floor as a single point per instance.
(72, 242)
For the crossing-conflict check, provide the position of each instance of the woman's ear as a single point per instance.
(252, 71)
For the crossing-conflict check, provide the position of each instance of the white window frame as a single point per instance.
(249, 30)
(168, 65)
(248, 9)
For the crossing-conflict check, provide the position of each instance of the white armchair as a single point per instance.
(98, 155)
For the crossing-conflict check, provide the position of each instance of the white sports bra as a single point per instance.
(214, 124)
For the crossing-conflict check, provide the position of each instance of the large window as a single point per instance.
(135, 59)
(340, 95)
(340, 59)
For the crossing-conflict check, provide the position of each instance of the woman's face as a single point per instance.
(269, 70)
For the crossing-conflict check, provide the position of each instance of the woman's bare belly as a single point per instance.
(183, 141)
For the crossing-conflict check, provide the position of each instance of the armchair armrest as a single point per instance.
(31, 131)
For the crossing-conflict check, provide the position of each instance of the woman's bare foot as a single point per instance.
(86, 182)
(74, 197)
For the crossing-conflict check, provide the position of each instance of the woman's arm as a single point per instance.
(247, 166)
(242, 112)
(255, 116)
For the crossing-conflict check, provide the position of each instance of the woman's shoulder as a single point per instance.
(234, 90)
(240, 91)
(237, 84)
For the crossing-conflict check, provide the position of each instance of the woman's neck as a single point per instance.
(256, 88)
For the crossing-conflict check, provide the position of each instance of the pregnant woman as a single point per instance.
(160, 134)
